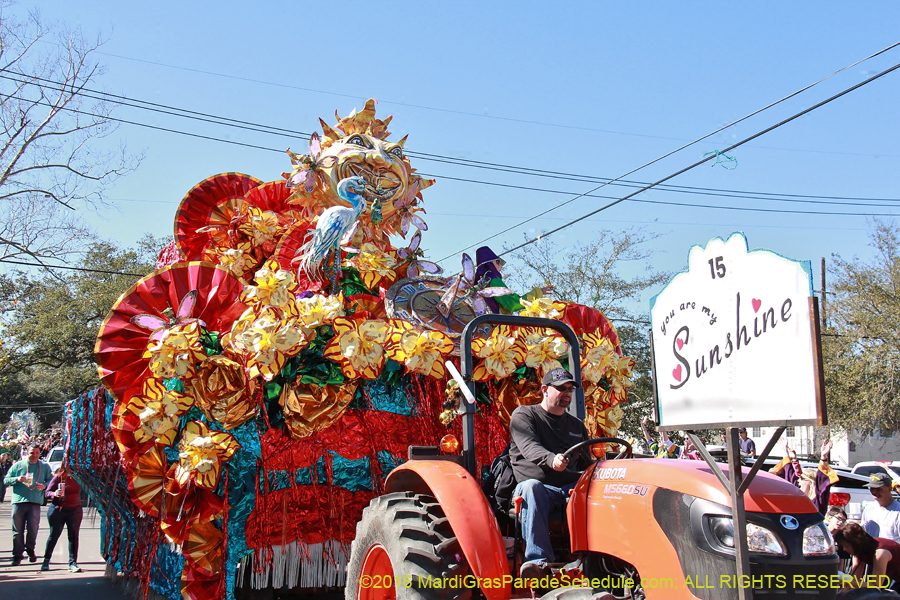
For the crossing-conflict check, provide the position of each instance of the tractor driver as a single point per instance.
(539, 434)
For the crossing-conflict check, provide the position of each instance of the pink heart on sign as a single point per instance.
(756, 304)
(676, 373)
(679, 343)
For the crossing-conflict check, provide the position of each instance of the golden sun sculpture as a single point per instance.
(358, 145)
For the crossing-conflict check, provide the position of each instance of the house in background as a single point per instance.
(846, 452)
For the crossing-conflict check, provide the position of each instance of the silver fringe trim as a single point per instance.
(297, 565)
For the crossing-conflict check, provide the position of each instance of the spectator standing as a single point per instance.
(5, 464)
(65, 511)
(28, 479)
(882, 517)
(748, 446)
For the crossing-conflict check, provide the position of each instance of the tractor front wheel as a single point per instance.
(405, 549)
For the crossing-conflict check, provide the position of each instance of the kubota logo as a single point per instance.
(611, 473)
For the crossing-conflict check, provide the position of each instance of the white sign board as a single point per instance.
(733, 340)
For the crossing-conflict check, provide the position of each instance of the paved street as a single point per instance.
(27, 581)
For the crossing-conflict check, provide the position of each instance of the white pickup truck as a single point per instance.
(871, 467)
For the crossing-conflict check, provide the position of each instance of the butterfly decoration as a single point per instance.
(464, 286)
(160, 324)
(307, 168)
(408, 209)
(413, 254)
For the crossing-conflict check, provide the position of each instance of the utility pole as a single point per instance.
(822, 295)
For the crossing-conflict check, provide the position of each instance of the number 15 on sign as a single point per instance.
(717, 269)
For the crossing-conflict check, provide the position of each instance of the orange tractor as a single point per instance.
(633, 528)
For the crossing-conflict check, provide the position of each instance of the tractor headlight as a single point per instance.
(817, 541)
(759, 539)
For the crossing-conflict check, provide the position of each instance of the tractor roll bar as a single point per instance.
(465, 349)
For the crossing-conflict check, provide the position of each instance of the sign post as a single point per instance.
(735, 341)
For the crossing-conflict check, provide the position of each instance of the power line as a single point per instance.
(419, 106)
(590, 195)
(68, 268)
(667, 155)
(700, 162)
(283, 132)
(497, 184)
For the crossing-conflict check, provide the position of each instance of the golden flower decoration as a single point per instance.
(545, 308)
(219, 388)
(239, 260)
(201, 454)
(501, 353)
(274, 287)
(159, 410)
(598, 358)
(420, 351)
(309, 407)
(511, 394)
(318, 310)
(620, 376)
(358, 346)
(261, 226)
(374, 264)
(266, 340)
(604, 423)
(543, 352)
(176, 352)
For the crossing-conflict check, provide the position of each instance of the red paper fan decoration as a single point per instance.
(209, 203)
(272, 196)
(145, 480)
(120, 344)
(586, 319)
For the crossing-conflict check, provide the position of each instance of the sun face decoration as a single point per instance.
(357, 146)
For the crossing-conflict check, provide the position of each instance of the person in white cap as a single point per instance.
(881, 518)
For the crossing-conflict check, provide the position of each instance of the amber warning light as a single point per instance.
(449, 443)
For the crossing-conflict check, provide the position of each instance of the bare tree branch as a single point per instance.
(52, 148)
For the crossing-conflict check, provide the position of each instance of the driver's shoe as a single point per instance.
(534, 570)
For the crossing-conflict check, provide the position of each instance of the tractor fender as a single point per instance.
(469, 513)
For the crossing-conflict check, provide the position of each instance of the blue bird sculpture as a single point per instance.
(334, 228)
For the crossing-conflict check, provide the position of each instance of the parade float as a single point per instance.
(263, 381)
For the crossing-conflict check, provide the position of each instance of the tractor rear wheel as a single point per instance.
(405, 549)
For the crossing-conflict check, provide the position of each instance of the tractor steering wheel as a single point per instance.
(626, 453)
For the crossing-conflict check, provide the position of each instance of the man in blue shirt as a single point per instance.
(28, 478)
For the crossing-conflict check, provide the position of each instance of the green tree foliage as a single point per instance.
(610, 273)
(50, 322)
(861, 345)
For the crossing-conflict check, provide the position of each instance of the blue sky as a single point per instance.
(590, 88)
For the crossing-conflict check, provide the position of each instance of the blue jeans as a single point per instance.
(539, 501)
(25, 515)
(60, 517)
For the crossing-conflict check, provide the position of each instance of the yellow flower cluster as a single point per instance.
(420, 351)
(261, 226)
(266, 340)
(545, 308)
(358, 345)
(274, 287)
(201, 454)
(500, 352)
(374, 264)
(176, 352)
(159, 410)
